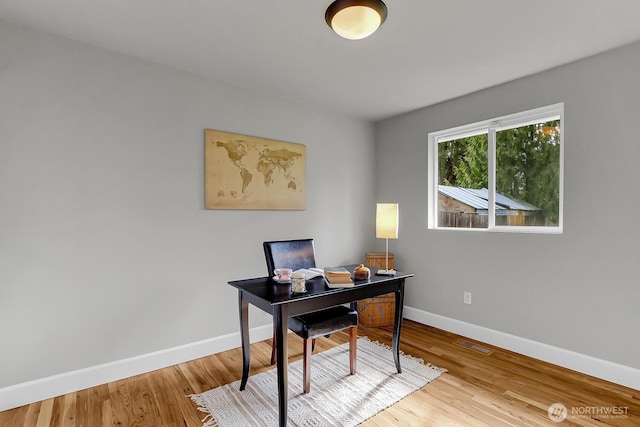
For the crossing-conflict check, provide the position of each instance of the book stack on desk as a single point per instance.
(337, 277)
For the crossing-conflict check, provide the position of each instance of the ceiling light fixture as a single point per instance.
(355, 19)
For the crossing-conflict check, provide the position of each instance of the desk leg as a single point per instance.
(397, 325)
(280, 325)
(244, 337)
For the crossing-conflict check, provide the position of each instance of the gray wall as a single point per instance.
(579, 290)
(106, 251)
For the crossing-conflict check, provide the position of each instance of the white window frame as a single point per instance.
(490, 127)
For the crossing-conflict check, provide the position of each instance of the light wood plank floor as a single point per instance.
(500, 388)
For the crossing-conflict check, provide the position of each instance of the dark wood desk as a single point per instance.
(278, 300)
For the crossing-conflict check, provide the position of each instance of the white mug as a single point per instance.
(283, 273)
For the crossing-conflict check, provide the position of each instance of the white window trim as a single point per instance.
(490, 126)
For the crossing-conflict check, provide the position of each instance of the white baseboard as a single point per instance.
(603, 369)
(56, 385)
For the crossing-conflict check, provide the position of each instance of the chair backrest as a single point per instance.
(294, 254)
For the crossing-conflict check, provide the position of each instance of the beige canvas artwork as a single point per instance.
(247, 172)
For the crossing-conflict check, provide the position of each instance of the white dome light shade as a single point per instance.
(355, 20)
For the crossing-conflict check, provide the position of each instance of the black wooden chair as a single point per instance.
(296, 254)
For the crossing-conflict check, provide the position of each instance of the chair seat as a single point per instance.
(323, 322)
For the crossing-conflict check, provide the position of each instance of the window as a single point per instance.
(503, 174)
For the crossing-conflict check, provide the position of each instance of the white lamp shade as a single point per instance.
(387, 221)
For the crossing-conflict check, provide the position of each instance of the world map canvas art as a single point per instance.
(247, 172)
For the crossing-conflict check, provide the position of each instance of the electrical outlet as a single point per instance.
(467, 297)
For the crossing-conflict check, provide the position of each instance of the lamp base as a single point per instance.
(391, 272)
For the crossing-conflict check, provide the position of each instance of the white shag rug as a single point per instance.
(336, 397)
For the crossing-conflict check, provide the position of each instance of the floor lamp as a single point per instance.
(387, 228)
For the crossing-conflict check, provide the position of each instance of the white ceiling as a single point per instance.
(426, 52)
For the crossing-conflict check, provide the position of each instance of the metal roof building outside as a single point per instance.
(479, 200)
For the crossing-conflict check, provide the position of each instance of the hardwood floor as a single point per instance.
(499, 388)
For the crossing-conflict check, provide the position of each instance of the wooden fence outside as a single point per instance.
(473, 220)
